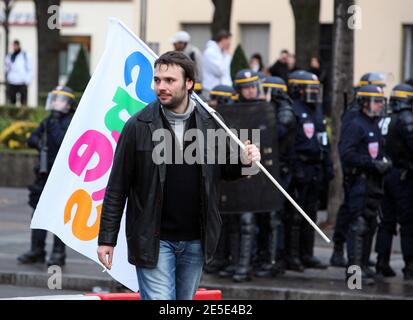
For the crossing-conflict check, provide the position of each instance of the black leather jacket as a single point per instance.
(137, 179)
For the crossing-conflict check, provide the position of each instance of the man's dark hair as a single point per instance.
(222, 34)
(16, 42)
(284, 51)
(178, 59)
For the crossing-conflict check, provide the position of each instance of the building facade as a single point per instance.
(384, 42)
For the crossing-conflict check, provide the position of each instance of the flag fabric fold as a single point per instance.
(71, 203)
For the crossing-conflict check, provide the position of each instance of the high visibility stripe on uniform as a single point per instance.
(402, 94)
(370, 94)
(221, 93)
(247, 80)
(303, 81)
(378, 82)
(67, 94)
(275, 85)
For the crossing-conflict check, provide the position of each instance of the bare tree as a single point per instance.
(7, 7)
(342, 82)
(222, 16)
(48, 44)
(307, 30)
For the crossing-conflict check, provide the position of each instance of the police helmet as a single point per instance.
(247, 78)
(61, 99)
(198, 87)
(223, 94)
(274, 86)
(304, 86)
(375, 78)
(369, 94)
(401, 98)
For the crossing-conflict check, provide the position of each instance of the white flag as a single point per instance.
(71, 202)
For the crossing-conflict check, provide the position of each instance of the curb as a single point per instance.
(69, 282)
(244, 292)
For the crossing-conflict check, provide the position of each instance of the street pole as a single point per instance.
(142, 31)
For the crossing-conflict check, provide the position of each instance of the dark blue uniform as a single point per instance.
(50, 132)
(311, 152)
(343, 217)
(397, 207)
(55, 126)
(360, 145)
(286, 132)
(342, 221)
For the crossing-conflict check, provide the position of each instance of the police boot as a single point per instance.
(293, 256)
(280, 264)
(58, 256)
(220, 260)
(244, 267)
(234, 249)
(36, 254)
(368, 242)
(268, 269)
(307, 249)
(383, 266)
(337, 258)
(406, 237)
(358, 230)
(408, 270)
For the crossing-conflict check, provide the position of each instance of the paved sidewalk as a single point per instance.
(83, 275)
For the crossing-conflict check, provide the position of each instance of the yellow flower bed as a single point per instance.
(16, 135)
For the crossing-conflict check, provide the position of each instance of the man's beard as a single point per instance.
(175, 101)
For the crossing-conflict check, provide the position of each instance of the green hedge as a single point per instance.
(10, 114)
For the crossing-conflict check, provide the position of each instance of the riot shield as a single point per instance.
(252, 193)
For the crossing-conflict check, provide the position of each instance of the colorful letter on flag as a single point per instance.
(71, 202)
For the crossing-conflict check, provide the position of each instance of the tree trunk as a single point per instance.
(8, 5)
(307, 30)
(222, 16)
(48, 44)
(342, 83)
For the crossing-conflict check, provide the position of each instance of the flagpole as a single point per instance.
(239, 142)
(262, 168)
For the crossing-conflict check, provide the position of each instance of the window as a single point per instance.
(200, 33)
(255, 38)
(69, 49)
(408, 53)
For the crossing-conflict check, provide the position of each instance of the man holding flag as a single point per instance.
(172, 219)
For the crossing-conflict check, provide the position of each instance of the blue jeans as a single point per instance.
(177, 274)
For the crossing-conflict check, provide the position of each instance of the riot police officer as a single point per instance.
(199, 90)
(226, 256)
(339, 237)
(397, 206)
(47, 138)
(248, 86)
(275, 90)
(311, 153)
(221, 94)
(364, 166)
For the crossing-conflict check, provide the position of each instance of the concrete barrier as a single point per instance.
(16, 169)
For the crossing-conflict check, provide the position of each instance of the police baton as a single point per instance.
(261, 167)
